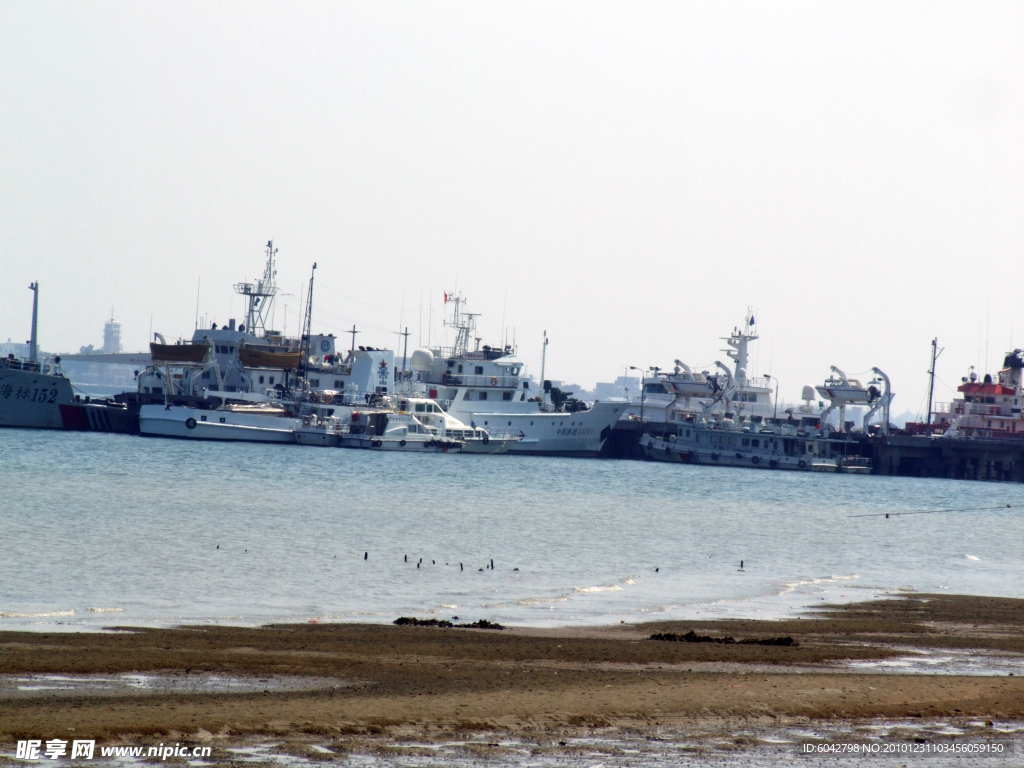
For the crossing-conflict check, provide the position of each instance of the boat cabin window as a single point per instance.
(483, 396)
(478, 370)
(261, 379)
(206, 374)
(526, 385)
(655, 388)
(746, 441)
(271, 379)
(460, 367)
(506, 395)
(420, 408)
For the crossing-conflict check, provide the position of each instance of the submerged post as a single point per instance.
(33, 348)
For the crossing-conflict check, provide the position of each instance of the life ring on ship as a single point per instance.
(755, 459)
(305, 421)
(773, 464)
(714, 457)
(376, 443)
(802, 464)
(494, 381)
(319, 421)
(190, 423)
(402, 443)
(486, 439)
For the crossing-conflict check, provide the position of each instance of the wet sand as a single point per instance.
(387, 682)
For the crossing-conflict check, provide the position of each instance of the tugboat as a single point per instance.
(32, 392)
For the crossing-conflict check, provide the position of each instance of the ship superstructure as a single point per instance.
(485, 387)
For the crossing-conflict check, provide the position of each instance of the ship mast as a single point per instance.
(33, 343)
(738, 347)
(931, 382)
(260, 295)
(463, 322)
(306, 330)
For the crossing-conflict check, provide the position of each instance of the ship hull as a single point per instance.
(370, 442)
(581, 434)
(196, 424)
(657, 449)
(32, 399)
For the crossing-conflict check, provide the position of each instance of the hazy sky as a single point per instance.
(629, 177)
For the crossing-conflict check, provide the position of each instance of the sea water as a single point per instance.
(101, 530)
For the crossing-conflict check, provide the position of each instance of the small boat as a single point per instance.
(179, 353)
(396, 432)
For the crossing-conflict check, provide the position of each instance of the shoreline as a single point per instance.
(309, 682)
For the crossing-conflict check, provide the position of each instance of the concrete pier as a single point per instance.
(914, 456)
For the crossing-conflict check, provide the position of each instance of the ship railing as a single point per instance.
(978, 409)
(471, 380)
(22, 365)
(758, 383)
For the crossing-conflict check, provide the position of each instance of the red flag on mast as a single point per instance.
(446, 297)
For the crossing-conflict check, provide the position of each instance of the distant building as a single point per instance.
(626, 387)
(11, 348)
(112, 336)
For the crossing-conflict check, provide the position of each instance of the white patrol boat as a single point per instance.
(421, 424)
(483, 387)
(32, 392)
(396, 432)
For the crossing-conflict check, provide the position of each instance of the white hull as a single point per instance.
(552, 433)
(32, 399)
(196, 424)
(432, 445)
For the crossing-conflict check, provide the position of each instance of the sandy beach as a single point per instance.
(347, 683)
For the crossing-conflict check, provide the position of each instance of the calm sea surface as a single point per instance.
(107, 529)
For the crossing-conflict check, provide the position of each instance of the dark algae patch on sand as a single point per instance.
(693, 637)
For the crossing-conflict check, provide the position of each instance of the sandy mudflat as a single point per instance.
(386, 682)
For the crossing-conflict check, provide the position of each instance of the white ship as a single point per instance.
(484, 387)
(672, 396)
(32, 392)
(248, 382)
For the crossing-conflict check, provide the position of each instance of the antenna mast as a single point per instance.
(260, 295)
(307, 323)
(931, 381)
(33, 342)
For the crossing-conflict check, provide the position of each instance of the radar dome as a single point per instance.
(422, 360)
(808, 393)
